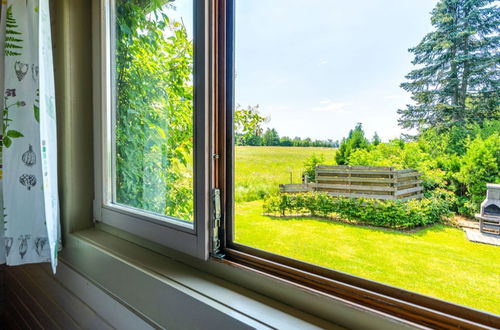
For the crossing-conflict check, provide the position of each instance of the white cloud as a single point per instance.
(322, 61)
(329, 106)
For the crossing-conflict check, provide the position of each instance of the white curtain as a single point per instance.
(28, 177)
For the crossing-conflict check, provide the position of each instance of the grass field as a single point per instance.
(437, 261)
(260, 170)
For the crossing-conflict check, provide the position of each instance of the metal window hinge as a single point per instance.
(217, 230)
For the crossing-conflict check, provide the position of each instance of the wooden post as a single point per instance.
(349, 180)
(395, 184)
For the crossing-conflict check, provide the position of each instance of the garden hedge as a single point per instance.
(383, 213)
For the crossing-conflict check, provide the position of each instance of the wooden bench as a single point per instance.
(362, 181)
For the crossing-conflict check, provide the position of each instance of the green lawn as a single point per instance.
(437, 261)
(259, 170)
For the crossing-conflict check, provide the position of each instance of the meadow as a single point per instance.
(437, 261)
(260, 170)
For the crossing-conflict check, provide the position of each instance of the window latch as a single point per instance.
(217, 231)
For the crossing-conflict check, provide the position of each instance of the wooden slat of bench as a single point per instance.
(295, 187)
(405, 175)
(408, 182)
(407, 178)
(353, 187)
(409, 191)
(405, 171)
(353, 179)
(355, 167)
(366, 172)
(354, 195)
(418, 196)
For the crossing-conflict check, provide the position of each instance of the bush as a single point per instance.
(356, 140)
(382, 213)
(463, 160)
(480, 165)
(310, 166)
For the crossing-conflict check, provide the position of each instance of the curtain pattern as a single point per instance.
(28, 173)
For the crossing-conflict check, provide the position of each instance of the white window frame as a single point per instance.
(185, 237)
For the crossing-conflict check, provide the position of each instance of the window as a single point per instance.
(151, 167)
(251, 124)
(351, 151)
(152, 121)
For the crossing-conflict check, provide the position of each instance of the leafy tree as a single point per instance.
(297, 141)
(461, 160)
(480, 165)
(154, 116)
(306, 142)
(248, 125)
(285, 141)
(271, 138)
(252, 140)
(355, 140)
(376, 139)
(456, 79)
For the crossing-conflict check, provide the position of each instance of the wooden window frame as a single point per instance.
(406, 305)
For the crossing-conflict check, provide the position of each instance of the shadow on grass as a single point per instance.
(413, 232)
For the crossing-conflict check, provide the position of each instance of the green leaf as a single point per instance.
(7, 142)
(14, 134)
(11, 42)
(36, 111)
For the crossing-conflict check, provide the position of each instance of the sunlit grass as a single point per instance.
(260, 170)
(437, 261)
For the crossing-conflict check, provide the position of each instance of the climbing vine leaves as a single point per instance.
(154, 110)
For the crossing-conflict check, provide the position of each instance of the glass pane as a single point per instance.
(153, 130)
(366, 133)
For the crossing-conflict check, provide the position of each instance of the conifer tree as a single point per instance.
(456, 79)
(355, 140)
(376, 139)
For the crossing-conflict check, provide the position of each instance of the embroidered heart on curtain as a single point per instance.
(28, 177)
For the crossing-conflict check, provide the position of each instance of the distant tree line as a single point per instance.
(249, 132)
(271, 138)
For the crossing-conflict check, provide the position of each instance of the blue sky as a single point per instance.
(318, 67)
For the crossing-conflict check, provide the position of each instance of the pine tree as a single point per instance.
(457, 78)
(376, 139)
(355, 140)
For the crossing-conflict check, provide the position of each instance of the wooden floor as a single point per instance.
(32, 297)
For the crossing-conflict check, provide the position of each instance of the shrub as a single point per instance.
(480, 165)
(356, 140)
(462, 159)
(382, 213)
(310, 166)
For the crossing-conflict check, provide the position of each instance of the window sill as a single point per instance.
(172, 290)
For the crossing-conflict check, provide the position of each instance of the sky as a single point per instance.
(318, 67)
